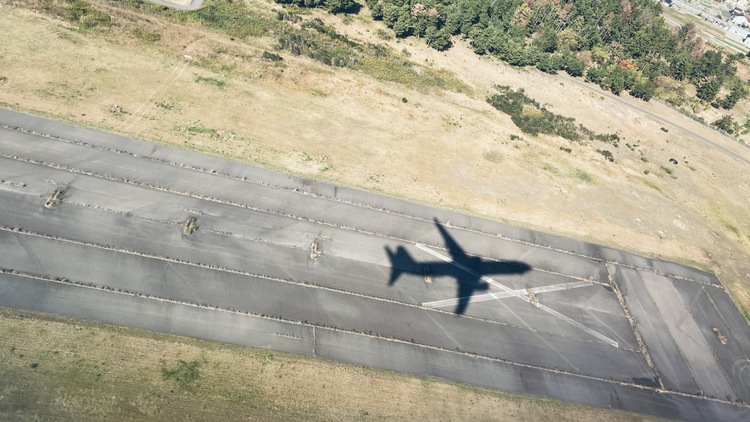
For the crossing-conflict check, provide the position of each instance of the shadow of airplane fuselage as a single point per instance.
(468, 281)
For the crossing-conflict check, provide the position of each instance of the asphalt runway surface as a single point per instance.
(93, 226)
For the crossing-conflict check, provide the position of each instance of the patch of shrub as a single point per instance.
(583, 176)
(190, 226)
(533, 118)
(320, 42)
(233, 18)
(183, 373)
(211, 81)
(146, 35)
(273, 57)
(606, 154)
(200, 129)
(725, 123)
(333, 6)
(85, 16)
(383, 34)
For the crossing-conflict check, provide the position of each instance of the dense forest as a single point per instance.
(621, 45)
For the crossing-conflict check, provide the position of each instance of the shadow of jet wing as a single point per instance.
(466, 288)
(453, 247)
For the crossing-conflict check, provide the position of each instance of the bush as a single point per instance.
(273, 57)
(146, 35)
(211, 81)
(184, 373)
(573, 66)
(333, 6)
(440, 41)
(708, 90)
(529, 116)
(644, 90)
(88, 18)
(607, 155)
(726, 124)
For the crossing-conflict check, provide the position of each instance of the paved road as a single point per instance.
(191, 5)
(301, 266)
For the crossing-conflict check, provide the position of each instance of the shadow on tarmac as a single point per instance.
(468, 281)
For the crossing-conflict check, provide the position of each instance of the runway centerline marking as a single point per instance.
(521, 296)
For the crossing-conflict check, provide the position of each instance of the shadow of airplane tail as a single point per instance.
(401, 262)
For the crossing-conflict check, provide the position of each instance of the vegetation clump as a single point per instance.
(211, 81)
(183, 373)
(190, 226)
(146, 35)
(333, 6)
(584, 176)
(272, 57)
(533, 118)
(85, 16)
(607, 155)
(726, 124)
(54, 199)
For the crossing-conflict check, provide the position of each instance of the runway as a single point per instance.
(94, 226)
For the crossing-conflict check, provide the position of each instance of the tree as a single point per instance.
(643, 89)
(376, 9)
(440, 39)
(333, 6)
(735, 94)
(726, 124)
(548, 63)
(573, 66)
(631, 77)
(708, 64)
(547, 42)
(341, 6)
(708, 90)
(597, 75)
(681, 66)
(513, 52)
(617, 81)
(483, 40)
(398, 19)
(687, 36)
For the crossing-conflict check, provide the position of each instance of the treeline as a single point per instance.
(621, 45)
(333, 6)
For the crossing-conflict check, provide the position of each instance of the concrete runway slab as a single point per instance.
(297, 265)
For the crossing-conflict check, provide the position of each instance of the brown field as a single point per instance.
(438, 147)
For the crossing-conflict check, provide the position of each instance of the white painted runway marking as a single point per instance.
(521, 296)
(504, 295)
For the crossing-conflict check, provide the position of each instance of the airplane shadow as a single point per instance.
(468, 279)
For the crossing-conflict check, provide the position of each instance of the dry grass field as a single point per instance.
(184, 84)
